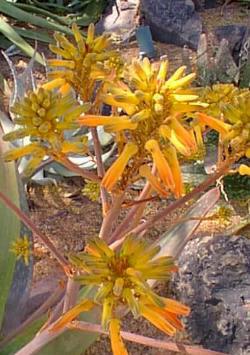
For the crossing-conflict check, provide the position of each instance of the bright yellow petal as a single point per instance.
(177, 74)
(79, 38)
(248, 153)
(66, 318)
(185, 98)
(53, 84)
(161, 76)
(115, 171)
(175, 84)
(118, 347)
(61, 63)
(244, 169)
(214, 123)
(90, 34)
(117, 122)
(145, 172)
(170, 134)
(183, 134)
(162, 166)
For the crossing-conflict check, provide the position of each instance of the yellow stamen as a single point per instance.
(118, 347)
(161, 164)
(116, 170)
(145, 172)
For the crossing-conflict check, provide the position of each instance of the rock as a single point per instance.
(234, 34)
(173, 22)
(226, 69)
(214, 280)
(120, 20)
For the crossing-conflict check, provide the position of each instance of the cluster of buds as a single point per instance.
(122, 279)
(155, 126)
(44, 116)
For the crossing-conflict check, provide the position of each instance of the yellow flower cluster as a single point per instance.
(121, 277)
(82, 63)
(232, 105)
(151, 120)
(44, 116)
(22, 249)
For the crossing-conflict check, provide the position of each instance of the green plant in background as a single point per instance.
(45, 17)
(154, 120)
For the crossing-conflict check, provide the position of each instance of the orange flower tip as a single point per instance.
(144, 171)
(118, 347)
(115, 171)
(214, 123)
(66, 318)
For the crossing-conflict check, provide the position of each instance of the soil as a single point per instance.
(67, 217)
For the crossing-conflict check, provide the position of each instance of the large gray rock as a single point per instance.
(235, 35)
(214, 280)
(173, 22)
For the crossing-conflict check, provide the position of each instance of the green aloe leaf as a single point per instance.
(13, 11)
(174, 240)
(14, 37)
(23, 338)
(10, 226)
(71, 341)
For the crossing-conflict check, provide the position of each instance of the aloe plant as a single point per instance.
(44, 17)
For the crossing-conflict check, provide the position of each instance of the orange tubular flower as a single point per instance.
(162, 166)
(117, 344)
(115, 171)
(171, 156)
(145, 172)
(84, 306)
(212, 122)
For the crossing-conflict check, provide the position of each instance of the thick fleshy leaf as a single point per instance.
(175, 239)
(69, 341)
(14, 37)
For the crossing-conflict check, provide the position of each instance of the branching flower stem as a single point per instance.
(100, 169)
(125, 226)
(140, 339)
(28, 222)
(82, 172)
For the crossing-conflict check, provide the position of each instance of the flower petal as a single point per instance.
(116, 170)
(66, 318)
(162, 166)
(145, 172)
(118, 347)
(214, 123)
